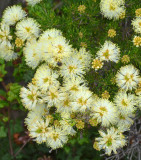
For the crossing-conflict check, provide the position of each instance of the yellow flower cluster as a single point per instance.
(125, 59)
(138, 12)
(106, 95)
(81, 8)
(18, 42)
(111, 33)
(136, 22)
(97, 64)
(137, 41)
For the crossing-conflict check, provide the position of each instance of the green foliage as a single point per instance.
(13, 93)
(3, 132)
(3, 102)
(3, 72)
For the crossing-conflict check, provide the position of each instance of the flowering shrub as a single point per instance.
(76, 72)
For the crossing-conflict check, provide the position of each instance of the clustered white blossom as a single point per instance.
(58, 98)
(136, 23)
(113, 9)
(33, 2)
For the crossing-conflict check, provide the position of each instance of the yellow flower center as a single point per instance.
(30, 96)
(140, 24)
(112, 7)
(71, 68)
(28, 29)
(60, 48)
(66, 103)
(121, 117)
(1, 36)
(74, 88)
(106, 54)
(128, 77)
(109, 141)
(34, 55)
(41, 130)
(81, 101)
(46, 79)
(55, 136)
(124, 103)
(53, 95)
(103, 110)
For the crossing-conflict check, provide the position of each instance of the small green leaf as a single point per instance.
(13, 94)
(3, 72)
(3, 132)
(5, 119)
(3, 104)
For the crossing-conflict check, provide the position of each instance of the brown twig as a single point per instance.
(21, 148)
(58, 5)
(9, 133)
(4, 86)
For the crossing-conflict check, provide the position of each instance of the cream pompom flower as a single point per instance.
(67, 127)
(124, 121)
(45, 78)
(104, 112)
(73, 84)
(28, 28)
(5, 36)
(125, 103)
(40, 130)
(57, 139)
(85, 57)
(33, 2)
(109, 52)
(65, 103)
(32, 53)
(54, 49)
(112, 9)
(7, 52)
(58, 48)
(35, 114)
(50, 34)
(61, 47)
(29, 97)
(127, 77)
(82, 100)
(72, 67)
(111, 140)
(137, 24)
(53, 96)
(13, 14)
